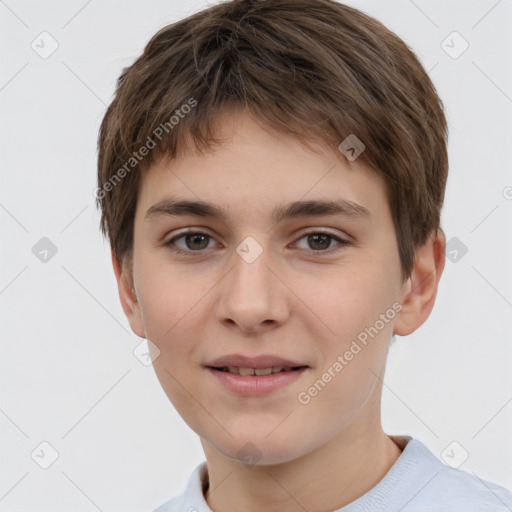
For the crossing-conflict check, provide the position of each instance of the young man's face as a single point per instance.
(291, 291)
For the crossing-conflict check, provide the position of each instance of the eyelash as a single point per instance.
(170, 244)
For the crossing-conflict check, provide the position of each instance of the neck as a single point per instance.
(329, 478)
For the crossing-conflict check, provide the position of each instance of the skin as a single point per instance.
(290, 302)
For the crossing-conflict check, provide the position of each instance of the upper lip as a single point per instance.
(263, 361)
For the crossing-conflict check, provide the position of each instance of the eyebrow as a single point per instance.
(310, 208)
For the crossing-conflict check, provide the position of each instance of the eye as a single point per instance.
(319, 241)
(189, 242)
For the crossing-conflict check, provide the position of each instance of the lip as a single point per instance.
(256, 385)
(263, 361)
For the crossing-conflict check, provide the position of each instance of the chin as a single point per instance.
(259, 450)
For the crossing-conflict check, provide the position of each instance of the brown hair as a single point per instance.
(314, 69)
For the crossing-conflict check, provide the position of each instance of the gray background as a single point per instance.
(68, 373)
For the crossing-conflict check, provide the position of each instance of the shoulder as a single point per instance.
(182, 503)
(441, 488)
(192, 499)
(456, 489)
(173, 505)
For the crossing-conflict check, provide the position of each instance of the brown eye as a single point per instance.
(188, 243)
(319, 241)
(196, 241)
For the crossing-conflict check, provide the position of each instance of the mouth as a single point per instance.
(237, 370)
(256, 382)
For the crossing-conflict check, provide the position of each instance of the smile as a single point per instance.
(257, 371)
(244, 381)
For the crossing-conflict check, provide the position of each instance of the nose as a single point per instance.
(253, 297)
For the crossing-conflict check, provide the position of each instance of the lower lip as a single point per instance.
(256, 385)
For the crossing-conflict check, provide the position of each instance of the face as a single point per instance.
(269, 269)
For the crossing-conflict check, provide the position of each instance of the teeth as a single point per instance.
(256, 371)
(262, 371)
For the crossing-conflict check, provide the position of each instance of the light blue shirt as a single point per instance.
(417, 482)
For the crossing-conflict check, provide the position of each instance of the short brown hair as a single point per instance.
(314, 69)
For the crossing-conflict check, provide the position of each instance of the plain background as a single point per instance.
(67, 368)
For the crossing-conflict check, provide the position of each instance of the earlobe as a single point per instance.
(420, 290)
(127, 295)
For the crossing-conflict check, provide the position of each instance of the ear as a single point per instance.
(420, 290)
(124, 276)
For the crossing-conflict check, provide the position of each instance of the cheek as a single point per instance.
(358, 310)
(173, 316)
(352, 358)
(349, 301)
(170, 300)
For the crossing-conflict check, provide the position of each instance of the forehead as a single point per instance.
(255, 168)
